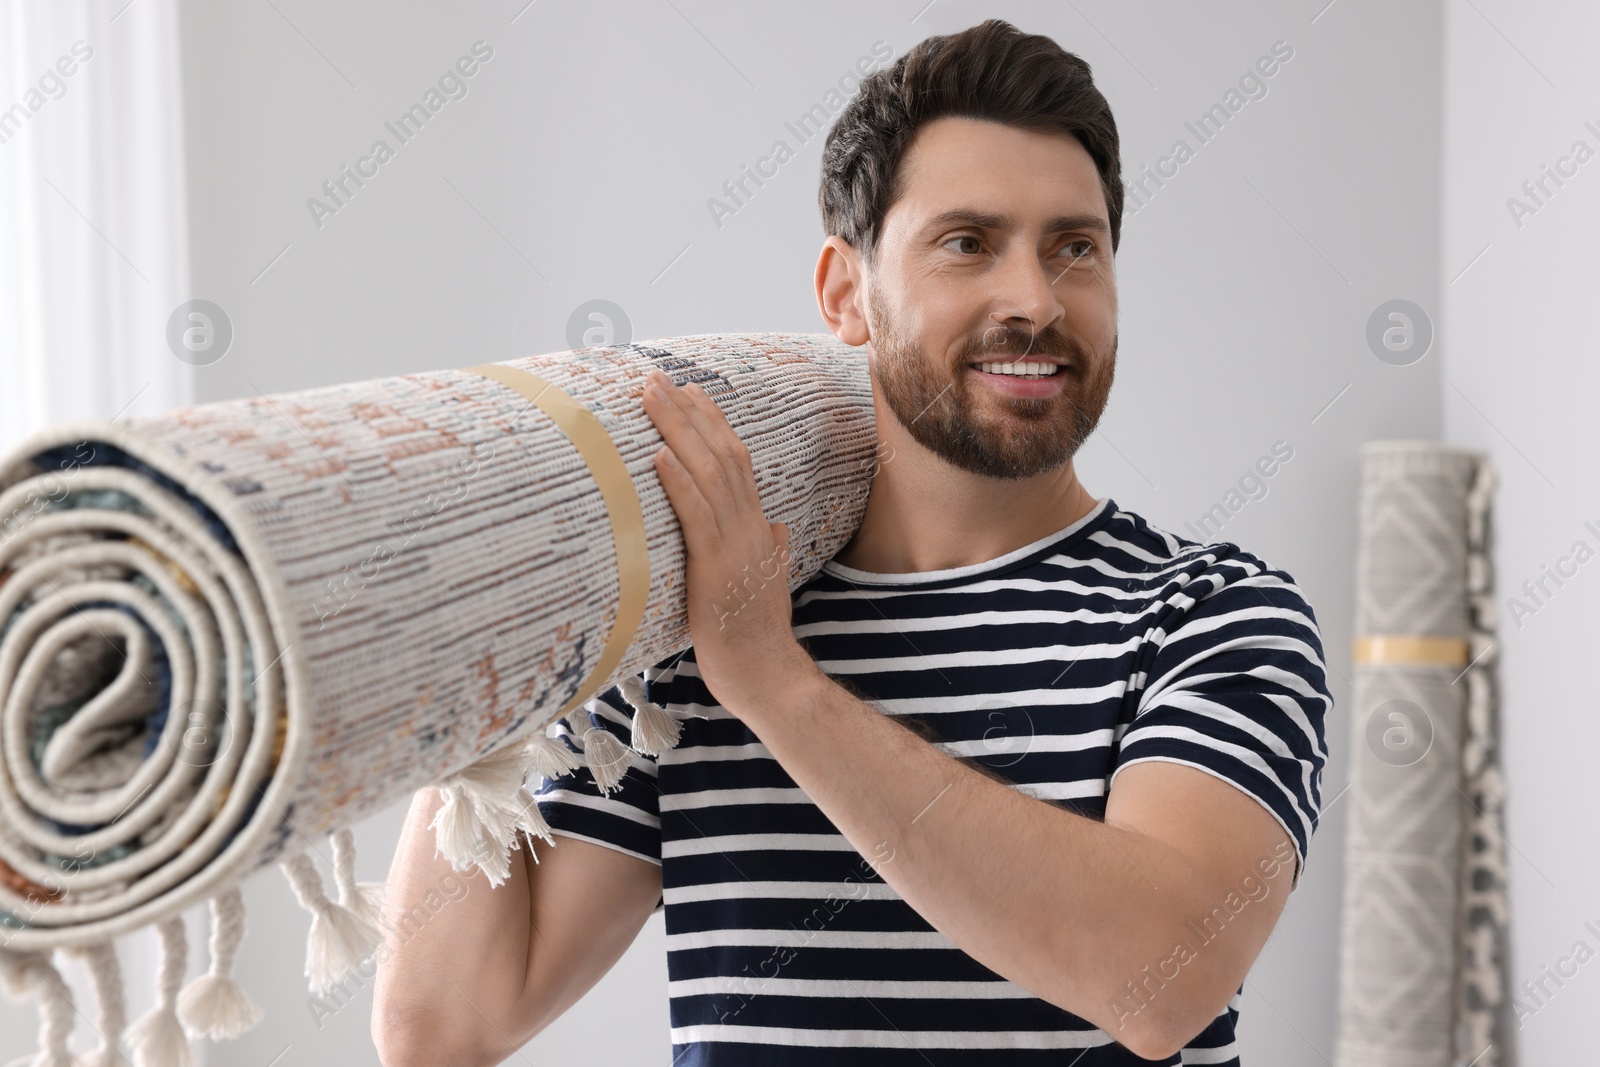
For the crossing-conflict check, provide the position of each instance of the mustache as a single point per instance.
(1013, 341)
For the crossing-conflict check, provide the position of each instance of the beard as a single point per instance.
(1028, 435)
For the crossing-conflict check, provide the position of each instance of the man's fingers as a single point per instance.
(708, 417)
(699, 434)
(695, 514)
(671, 415)
(708, 484)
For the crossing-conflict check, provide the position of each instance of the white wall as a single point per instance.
(93, 257)
(579, 166)
(1520, 380)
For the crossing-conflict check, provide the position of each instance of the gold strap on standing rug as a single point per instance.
(616, 487)
(1411, 650)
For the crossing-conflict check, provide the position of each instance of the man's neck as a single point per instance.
(925, 515)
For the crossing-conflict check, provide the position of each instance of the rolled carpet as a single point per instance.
(233, 628)
(1424, 949)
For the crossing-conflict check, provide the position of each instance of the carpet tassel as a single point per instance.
(485, 806)
(654, 728)
(363, 898)
(32, 974)
(531, 821)
(157, 1039)
(604, 755)
(339, 940)
(549, 757)
(111, 1004)
(214, 1004)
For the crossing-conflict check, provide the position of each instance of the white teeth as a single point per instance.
(1022, 370)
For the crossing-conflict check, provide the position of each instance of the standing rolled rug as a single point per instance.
(230, 632)
(1424, 938)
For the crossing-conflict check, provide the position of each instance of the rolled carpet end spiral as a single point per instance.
(230, 625)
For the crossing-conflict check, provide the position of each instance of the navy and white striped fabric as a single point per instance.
(1105, 644)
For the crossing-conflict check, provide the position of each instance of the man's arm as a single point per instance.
(468, 978)
(1081, 913)
(1086, 915)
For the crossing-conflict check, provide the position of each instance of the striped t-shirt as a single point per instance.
(1105, 644)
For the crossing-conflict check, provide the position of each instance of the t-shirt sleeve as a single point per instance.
(627, 817)
(1238, 688)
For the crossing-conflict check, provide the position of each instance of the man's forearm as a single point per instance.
(1064, 906)
(455, 952)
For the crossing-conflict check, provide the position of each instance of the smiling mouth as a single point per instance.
(1027, 370)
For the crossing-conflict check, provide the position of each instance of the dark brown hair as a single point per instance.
(992, 71)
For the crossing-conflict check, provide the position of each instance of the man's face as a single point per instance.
(998, 247)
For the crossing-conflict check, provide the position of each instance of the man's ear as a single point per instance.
(841, 291)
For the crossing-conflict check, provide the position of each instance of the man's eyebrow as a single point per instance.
(991, 221)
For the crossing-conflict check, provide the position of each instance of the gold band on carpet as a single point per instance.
(622, 505)
(1411, 649)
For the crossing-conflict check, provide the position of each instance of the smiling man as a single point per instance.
(1018, 777)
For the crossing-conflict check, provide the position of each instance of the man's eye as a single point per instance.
(964, 237)
(1077, 249)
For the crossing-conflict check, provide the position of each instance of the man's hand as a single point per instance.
(1082, 913)
(738, 563)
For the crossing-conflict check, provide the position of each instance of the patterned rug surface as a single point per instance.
(1424, 945)
(228, 630)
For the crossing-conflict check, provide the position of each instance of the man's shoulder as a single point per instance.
(1130, 532)
(1225, 558)
(1119, 557)
(1203, 578)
